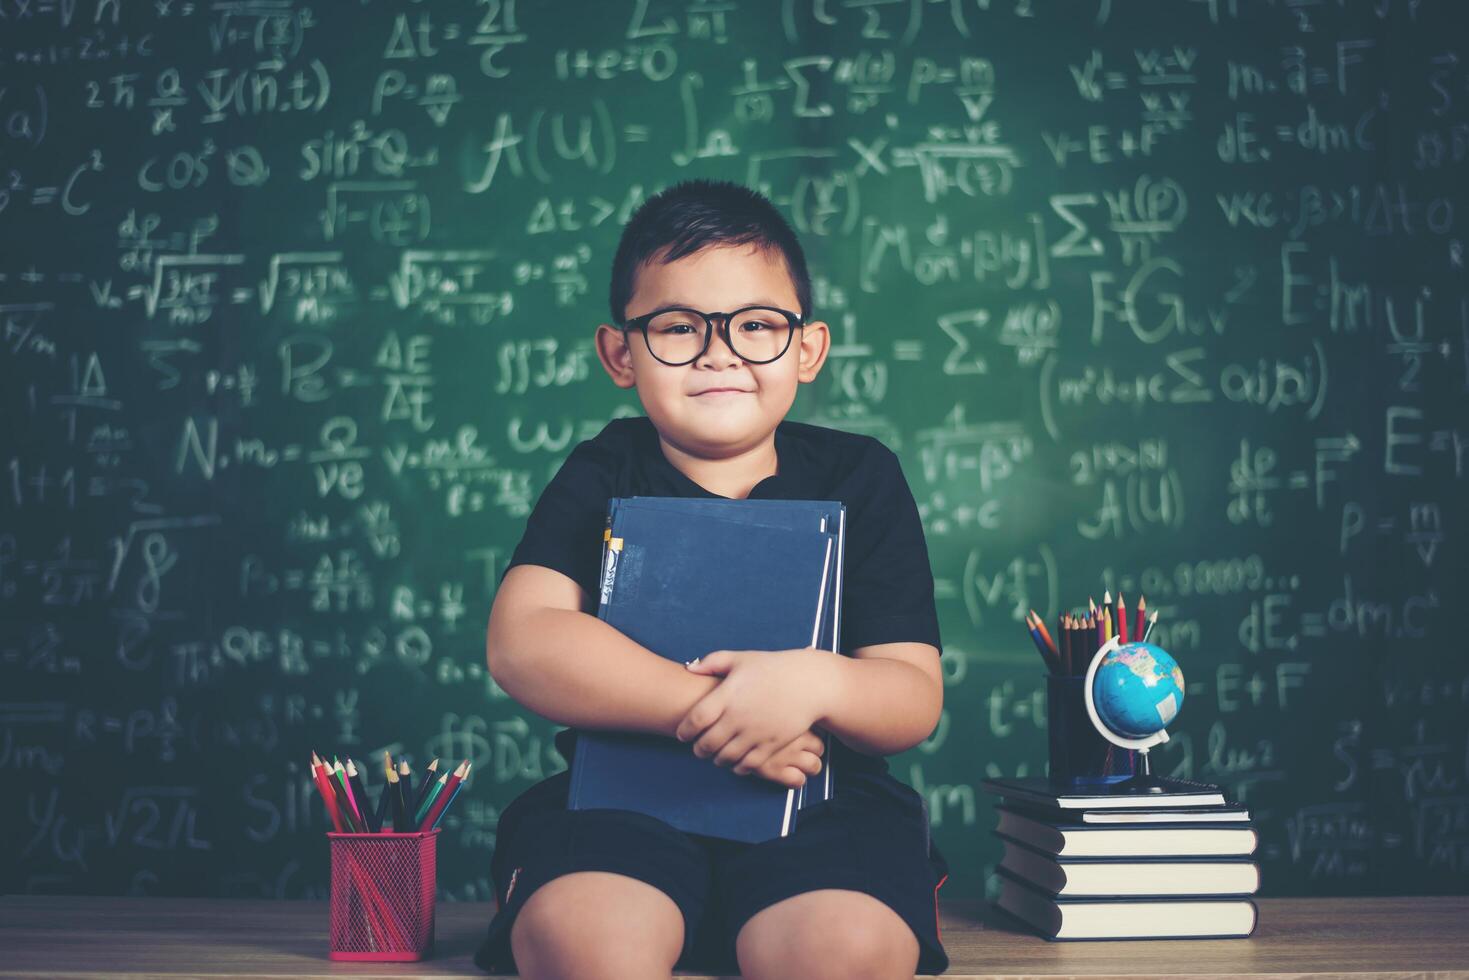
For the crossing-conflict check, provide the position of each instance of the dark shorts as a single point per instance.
(871, 837)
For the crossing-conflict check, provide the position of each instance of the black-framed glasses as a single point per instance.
(679, 335)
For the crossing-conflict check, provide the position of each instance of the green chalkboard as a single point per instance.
(1166, 298)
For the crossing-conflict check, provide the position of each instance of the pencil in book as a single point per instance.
(1121, 618)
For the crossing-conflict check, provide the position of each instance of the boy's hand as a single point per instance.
(789, 766)
(766, 700)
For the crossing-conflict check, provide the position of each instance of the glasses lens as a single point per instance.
(676, 336)
(760, 334)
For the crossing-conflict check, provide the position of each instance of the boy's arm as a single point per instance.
(886, 698)
(572, 668)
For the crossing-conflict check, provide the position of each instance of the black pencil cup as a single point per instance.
(1079, 755)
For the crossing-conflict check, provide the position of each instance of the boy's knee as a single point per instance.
(582, 926)
(842, 950)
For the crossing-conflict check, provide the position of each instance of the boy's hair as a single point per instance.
(696, 214)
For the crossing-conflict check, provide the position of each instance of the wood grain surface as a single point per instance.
(81, 938)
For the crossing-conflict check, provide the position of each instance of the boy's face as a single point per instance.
(719, 405)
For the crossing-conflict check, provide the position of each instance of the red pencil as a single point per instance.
(325, 790)
(1121, 618)
(1142, 615)
(455, 778)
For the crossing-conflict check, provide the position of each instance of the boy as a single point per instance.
(609, 893)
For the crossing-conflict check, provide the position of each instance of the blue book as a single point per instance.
(683, 584)
(798, 515)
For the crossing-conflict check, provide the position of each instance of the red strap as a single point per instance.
(936, 921)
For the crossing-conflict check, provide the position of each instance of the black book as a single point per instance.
(1184, 815)
(1070, 838)
(1164, 792)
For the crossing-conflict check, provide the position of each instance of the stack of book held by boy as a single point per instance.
(1115, 862)
(685, 577)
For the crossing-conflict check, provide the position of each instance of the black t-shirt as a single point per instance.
(887, 585)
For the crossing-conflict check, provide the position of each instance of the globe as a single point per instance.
(1137, 690)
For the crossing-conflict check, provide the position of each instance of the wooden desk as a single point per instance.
(108, 938)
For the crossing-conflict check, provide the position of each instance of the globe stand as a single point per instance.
(1143, 781)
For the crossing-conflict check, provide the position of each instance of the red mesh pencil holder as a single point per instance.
(382, 902)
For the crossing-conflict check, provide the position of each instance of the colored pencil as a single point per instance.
(405, 778)
(1065, 638)
(338, 780)
(452, 797)
(395, 790)
(1045, 650)
(381, 811)
(430, 776)
(324, 788)
(1045, 634)
(1121, 618)
(428, 803)
(359, 795)
(380, 815)
(455, 778)
(1142, 616)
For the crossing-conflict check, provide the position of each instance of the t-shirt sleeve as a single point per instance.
(887, 591)
(564, 530)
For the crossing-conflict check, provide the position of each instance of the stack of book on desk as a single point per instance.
(1112, 862)
(688, 576)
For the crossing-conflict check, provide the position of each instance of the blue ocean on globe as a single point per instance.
(1137, 690)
